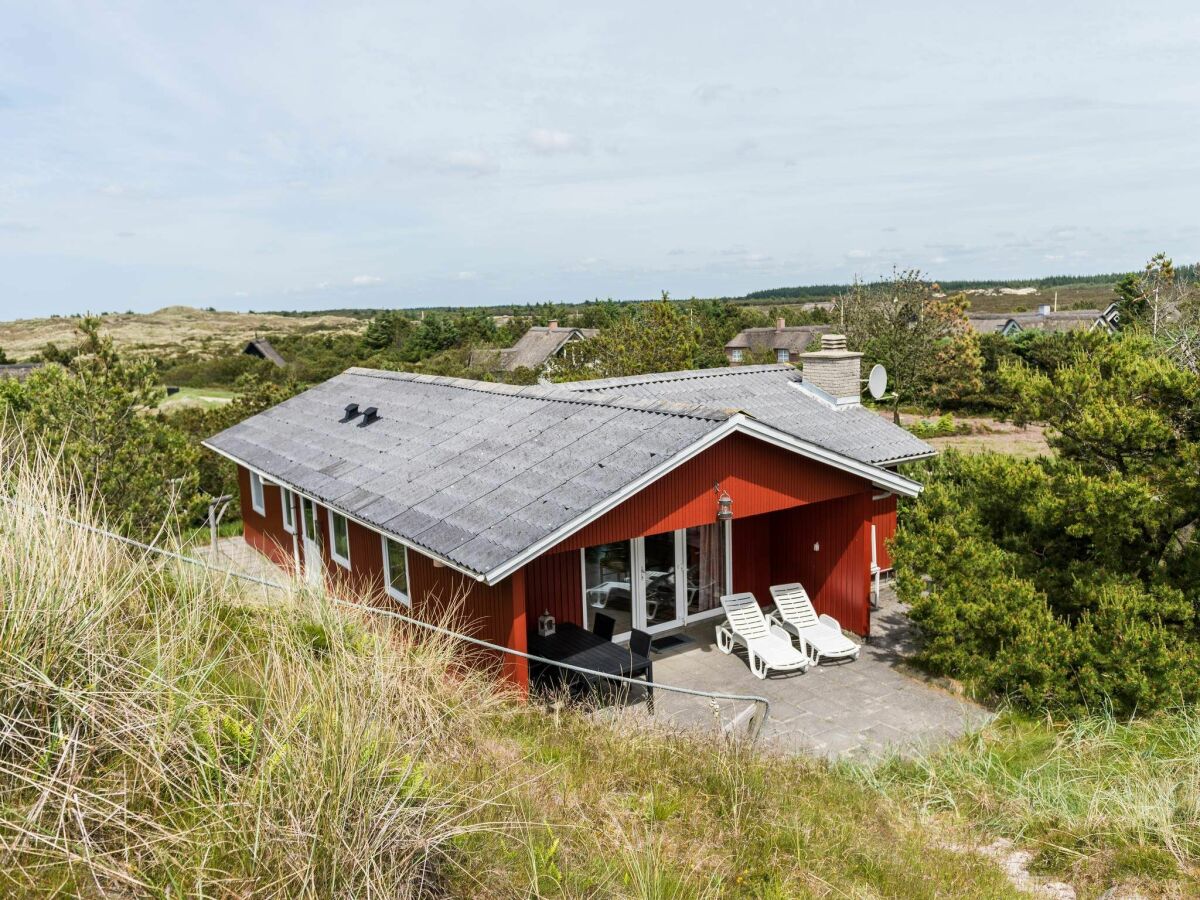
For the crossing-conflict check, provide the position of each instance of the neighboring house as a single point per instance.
(18, 371)
(263, 350)
(1044, 319)
(785, 342)
(507, 502)
(536, 347)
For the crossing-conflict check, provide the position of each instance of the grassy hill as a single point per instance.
(175, 328)
(169, 732)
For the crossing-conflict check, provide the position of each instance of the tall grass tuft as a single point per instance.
(1097, 797)
(163, 731)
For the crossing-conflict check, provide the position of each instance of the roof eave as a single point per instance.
(275, 479)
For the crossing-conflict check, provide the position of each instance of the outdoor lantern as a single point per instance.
(546, 624)
(724, 507)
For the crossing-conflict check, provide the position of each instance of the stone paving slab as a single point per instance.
(864, 708)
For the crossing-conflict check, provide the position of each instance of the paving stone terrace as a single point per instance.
(864, 708)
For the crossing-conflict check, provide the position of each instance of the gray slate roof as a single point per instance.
(793, 338)
(771, 395)
(19, 371)
(474, 472)
(1063, 320)
(262, 348)
(534, 347)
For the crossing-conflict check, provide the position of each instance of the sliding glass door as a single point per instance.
(657, 582)
(660, 588)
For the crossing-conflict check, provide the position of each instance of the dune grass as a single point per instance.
(165, 731)
(1101, 802)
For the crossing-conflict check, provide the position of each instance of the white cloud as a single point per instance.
(466, 275)
(365, 280)
(710, 93)
(858, 254)
(548, 141)
(472, 162)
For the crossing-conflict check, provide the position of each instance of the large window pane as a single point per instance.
(340, 532)
(397, 571)
(608, 583)
(309, 512)
(660, 578)
(705, 568)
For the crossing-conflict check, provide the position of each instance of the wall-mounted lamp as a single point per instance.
(724, 507)
(817, 547)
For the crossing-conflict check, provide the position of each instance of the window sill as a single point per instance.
(399, 596)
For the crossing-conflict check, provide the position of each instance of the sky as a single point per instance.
(310, 156)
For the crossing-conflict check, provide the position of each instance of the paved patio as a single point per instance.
(235, 555)
(863, 708)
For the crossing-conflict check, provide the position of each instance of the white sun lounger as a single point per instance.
(768, 646)
(820, 636)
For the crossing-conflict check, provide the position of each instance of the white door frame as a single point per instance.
(313, 566)
(637, 566)
(639, 585)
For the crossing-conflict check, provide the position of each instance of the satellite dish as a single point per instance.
(877, 381)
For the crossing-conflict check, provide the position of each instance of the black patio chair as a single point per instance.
(603, 626)
(639, 644)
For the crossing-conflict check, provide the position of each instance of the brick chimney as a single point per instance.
(835, 370)
(779, 324)
(553, 324)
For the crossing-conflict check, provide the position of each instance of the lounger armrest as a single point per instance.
(830, 622)
(773, 618)
(780, 632)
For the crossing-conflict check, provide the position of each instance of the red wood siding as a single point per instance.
(752, 549)
(265, 533)
(883, 515)
(554, 582)
(439, 594)
(760, 478)
(837, 576)
(496, 614)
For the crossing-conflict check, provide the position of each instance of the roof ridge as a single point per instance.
(601, 384)
(553, 393)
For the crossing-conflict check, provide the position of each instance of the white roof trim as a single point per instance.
(740, 422)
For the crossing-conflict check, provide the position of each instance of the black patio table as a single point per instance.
(577, 647)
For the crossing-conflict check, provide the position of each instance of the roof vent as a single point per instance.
(833, 342)
(351, 412)
(370, 414)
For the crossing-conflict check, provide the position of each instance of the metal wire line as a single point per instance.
(753, 729)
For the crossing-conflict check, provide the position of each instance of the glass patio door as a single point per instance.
(657, 582)
(661, 600)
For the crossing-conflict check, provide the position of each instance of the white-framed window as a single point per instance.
(395, 570)
(735, 355)
(257, 502)
(783, 356)
(339, 539)
(287, 500)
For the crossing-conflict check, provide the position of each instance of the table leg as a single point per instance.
(649, 675)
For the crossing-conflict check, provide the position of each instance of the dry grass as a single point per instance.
(157, 734)
(1100, 802)
(164, 733)
(175, 328)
